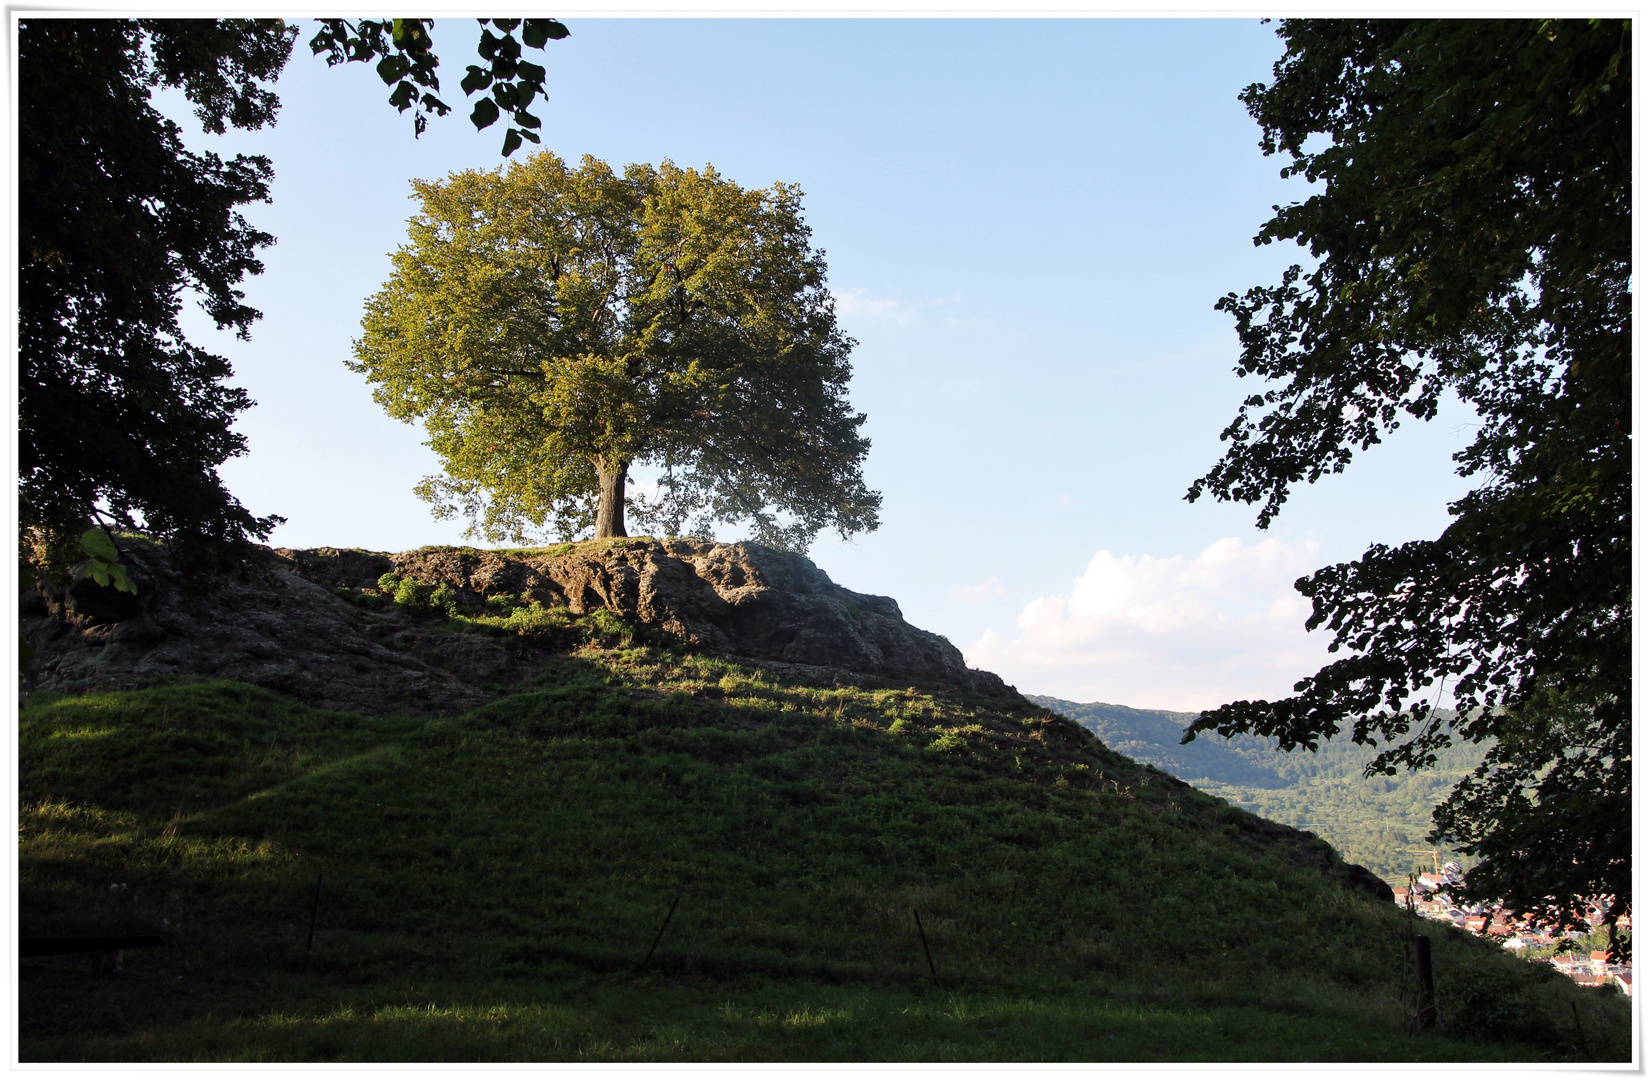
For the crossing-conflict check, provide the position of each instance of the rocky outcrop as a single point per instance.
(295, 629)
(277, 630)
(742, 600)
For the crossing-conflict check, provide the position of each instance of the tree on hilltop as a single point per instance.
(553, 326)
(1474, 236)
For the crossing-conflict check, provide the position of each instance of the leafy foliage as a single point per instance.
(402, 49)
(103, 561)
(121, 419)
(553, 325)
(1548, 807)
(1489, 1003)
(1473, 237)
(119, 416)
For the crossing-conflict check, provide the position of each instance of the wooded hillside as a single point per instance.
(1378, 822)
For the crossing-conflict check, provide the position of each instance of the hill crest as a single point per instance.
(361, 631)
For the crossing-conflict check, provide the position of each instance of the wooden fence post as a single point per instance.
(660, 936)
(1427, 1017)
(314, 911)
(925, 951)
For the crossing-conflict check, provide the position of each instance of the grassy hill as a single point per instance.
(491, 883)
(1379, 822)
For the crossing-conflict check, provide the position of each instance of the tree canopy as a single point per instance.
(1472, 236)
(121, 419)
(118, 413)
(553, 326)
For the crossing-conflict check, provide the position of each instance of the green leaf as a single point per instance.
(417, 36)
(103, 561)
(529, 71)
(528, 120)
(392, 68)
(477, 79)
(484, 114)
(512, 141)
(110, 574)
(97, 545)
(507, 95)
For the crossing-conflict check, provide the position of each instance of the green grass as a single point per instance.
(492, 882)
(568, 547)
(506, 615)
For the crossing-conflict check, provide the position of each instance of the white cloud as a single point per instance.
(990, 589)
(860, 302)
(1170, 633)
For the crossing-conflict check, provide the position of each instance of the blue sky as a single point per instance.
(1027, 224)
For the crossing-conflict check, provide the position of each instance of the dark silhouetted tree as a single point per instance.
(1473, 236)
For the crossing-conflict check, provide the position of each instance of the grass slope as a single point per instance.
(492, 882)
(1380, 822)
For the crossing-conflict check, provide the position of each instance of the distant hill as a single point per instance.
(1378, 822)
(1152, 735)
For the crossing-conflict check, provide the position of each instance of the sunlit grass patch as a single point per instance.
(801, 1022)
(48, 815)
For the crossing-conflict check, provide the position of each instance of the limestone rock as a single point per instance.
(741, 600)
(291, 629)
(277, 630)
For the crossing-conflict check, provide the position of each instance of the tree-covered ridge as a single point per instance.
(1379, 822)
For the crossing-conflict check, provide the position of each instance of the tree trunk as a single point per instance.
(609, 515)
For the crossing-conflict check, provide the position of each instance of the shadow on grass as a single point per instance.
(492, 880)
